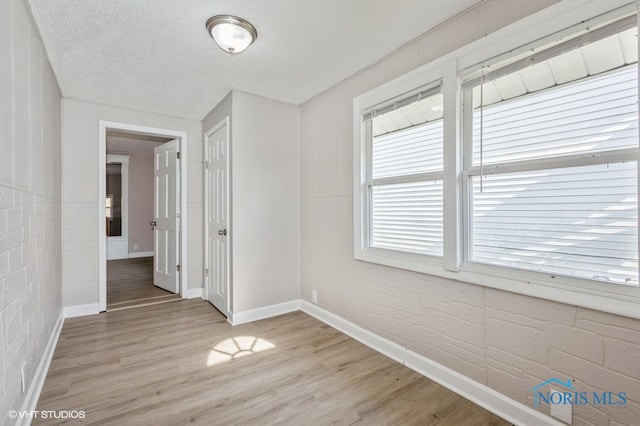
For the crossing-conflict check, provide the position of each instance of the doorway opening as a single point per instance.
(143, 213)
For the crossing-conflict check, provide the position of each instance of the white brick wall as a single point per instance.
(81, 269)
(30, 203)
(30, 288)
(506, 341)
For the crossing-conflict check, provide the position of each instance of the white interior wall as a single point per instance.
(504, 340)
(507, 341)
(265, 199)
(266, 202)
(141, 202)
(80, 122)
(218, 113)
(30, 203)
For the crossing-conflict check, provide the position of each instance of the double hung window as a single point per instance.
(552, 159)
(517, 169)
(404, 174)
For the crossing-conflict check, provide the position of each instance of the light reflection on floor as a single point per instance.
(237, 347)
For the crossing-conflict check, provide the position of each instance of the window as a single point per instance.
(109, 206)
(552, 175)
(404, 175)
(511, 166)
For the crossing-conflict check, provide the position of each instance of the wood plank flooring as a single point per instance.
(130, 284)
(181, 362)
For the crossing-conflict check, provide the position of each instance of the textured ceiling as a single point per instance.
(155, 55)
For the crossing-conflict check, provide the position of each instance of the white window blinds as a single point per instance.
(576, 221)
(558, 164)
(405, 175)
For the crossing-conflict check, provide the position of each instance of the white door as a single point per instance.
(166, 201)
(217, 217)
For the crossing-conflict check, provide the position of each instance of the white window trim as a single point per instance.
(362, 162)
(370, 182)
(563, 17)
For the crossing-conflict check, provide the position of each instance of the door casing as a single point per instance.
(105, 126)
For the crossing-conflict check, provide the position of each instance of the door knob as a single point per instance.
(222, 232)
(153, 223)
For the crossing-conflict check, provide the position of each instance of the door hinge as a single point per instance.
(178, 155)
(178, 268)
(206, 272)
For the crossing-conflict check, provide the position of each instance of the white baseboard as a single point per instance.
(499, 404)
(81, 310)
(33, 393)
(264, 312)
(141, 254)
(194, 293)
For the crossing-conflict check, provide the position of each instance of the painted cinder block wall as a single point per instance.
(30, 203)
(506, 341)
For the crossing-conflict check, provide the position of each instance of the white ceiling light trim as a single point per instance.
(231, 33)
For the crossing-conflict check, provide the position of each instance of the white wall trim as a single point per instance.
(141, 254)
(33, 393)
(499, 404)
(194, 293)
(81, 310)
(264, 312)
(103, 126)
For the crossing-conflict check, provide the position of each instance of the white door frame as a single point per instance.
(104, 126)
(207, 134)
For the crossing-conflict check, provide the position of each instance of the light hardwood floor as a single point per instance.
(130, 284)
(172, 364)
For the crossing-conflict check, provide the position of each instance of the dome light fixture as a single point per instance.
(231, 33)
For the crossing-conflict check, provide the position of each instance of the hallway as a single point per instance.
(130, 284)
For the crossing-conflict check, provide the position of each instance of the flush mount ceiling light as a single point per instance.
(231, 33)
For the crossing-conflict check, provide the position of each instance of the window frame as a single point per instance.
(363, 138)
(559, 20)
(370, 182)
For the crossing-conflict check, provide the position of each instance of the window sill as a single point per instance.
(610, 298)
